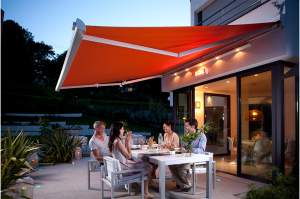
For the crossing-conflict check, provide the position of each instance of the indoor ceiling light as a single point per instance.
(254, 115)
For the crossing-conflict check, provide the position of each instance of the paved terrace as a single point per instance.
(70, 181)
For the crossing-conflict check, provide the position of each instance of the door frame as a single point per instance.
(228, 121)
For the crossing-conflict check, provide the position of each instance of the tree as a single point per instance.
(23, 61)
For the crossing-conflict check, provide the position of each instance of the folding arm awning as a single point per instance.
(100, 56)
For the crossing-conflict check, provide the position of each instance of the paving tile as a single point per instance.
(70, 181)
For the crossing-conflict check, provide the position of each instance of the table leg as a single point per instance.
(209, 178)
(162, 176)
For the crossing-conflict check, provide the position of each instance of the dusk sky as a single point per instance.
(51, 20)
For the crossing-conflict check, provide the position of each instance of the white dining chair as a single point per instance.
(113, 176)
(199, 168)
(231, 148)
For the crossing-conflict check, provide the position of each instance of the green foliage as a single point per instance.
(126, 129)
(193, 136)
(59, 147)
(281, 187)
(45, 126)
(14, 154)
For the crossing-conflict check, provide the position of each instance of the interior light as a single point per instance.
(228, 81)
(200, 64)
(183, 118)
(206, 87)
(175, 74)
(217, 57)
(237, 50)
(186, 69)
(256, 75)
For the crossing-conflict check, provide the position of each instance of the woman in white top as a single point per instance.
(171, 139)
(123, 154)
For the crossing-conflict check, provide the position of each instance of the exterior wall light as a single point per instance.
(197, 105)
(217, 57)
(175, 74)
(237, 50)
(186, 69)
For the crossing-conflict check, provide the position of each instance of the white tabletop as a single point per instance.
(167, 159)
(171, 159)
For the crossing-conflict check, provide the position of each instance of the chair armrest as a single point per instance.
(95, 161)
(201, 163)
(126, 171)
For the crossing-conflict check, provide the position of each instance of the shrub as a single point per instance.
(59, 147)
(281, 187)
(14, 154)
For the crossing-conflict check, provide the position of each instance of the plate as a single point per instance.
(153, 153)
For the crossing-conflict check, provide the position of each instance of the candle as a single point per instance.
(24, 191)
(78, 153)
(32, 161)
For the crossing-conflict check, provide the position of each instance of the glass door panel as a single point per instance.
(256, 124)
(289, 122)
(182, 111)
(217, 113)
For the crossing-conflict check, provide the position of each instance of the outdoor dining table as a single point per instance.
(167, 159)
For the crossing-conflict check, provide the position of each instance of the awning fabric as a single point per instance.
(99, 63)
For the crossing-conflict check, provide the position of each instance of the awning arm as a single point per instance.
(114, 84)
(75, 43)
(231, 39)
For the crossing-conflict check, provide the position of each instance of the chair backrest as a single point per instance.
(92, 157)
(112, 165)
(287, 142)
(230, 144)
(262, 145)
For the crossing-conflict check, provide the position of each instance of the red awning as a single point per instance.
(100, 55)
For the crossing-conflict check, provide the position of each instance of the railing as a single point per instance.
(253, 6)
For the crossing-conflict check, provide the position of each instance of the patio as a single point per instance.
(70, 181)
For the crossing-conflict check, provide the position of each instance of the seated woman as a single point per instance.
(171, 140)
(123, 154)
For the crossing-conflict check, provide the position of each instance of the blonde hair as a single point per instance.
(98, 124)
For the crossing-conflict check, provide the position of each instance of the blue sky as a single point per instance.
(51, 20)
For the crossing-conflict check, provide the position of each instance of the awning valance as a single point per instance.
(100, 55)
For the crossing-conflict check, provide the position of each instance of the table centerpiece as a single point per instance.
(188, 138)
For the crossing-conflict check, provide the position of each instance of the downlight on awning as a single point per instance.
(100, 56)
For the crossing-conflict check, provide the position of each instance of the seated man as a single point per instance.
(180, 171)
(99, 142)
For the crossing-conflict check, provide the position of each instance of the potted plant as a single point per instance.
(188, 139)
(172, 151)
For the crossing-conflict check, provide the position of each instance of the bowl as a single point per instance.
(172, 152)
(144, 147)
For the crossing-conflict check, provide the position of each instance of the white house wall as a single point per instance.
(266, 49)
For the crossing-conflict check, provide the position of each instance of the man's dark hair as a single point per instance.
(192, 122)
